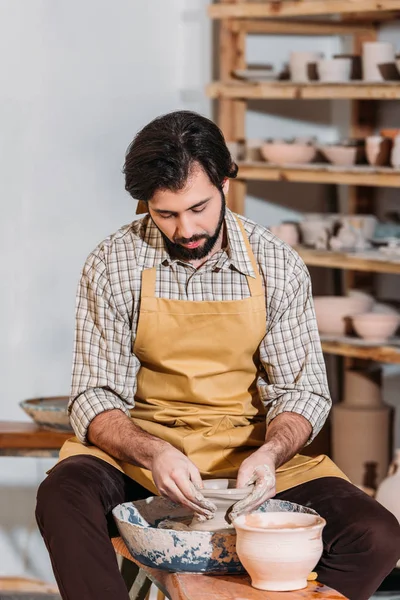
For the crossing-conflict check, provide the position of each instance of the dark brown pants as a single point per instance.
(361, 538)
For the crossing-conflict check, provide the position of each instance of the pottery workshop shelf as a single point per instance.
(357, 348)
(369, 261)
(321, 173)
(294, 8)
(288, 90)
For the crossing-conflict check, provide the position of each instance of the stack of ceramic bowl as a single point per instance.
(333, 312)
(344, 154)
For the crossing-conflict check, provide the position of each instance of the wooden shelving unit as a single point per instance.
(340, 260)
(356, 18)
(232, 9)
(287, 90)
(383, 354)
(321, 173)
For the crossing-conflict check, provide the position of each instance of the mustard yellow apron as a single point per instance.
(196, 387)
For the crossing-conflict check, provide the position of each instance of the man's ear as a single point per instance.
(225, 186)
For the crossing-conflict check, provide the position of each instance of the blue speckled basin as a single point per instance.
(191, 551)
(50, 412)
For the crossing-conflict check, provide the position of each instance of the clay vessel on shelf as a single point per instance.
(279, 550)
(299, 65)
(361, 429)
(332, 311)
(223, 493)
(374, 327)
(335, 70)
(377, 150)
(282, 153)
(395, 154)
(373, 55)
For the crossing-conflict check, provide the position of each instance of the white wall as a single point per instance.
(78, 79)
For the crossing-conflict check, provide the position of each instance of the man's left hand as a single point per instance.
(257, 469)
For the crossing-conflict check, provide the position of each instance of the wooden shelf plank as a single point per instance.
(384, 354)
(26, 435)
(293, 8)
(315, 90)
(341, 260)
(321, 173)
(312, 27)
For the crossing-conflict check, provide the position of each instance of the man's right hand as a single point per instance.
(178, 479)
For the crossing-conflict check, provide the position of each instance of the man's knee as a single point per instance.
(71, 482)
(378, 538)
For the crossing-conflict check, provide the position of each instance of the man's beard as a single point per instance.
(175, 250)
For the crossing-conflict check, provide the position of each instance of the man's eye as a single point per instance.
(198, 210)
(166, 216)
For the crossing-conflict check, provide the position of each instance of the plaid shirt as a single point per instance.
(293, 376)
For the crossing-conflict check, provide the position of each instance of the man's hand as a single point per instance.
(178, 479)
(257, 469)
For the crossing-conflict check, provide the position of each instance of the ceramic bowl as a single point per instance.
(49, 413)
(343, 156)
(282, 153)
(279, 550)
(331, 312)
(334, 70)
(312, 229)
(375, 327)
(172, 550)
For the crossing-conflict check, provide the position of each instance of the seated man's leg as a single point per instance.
(73, 506)
(361, 538)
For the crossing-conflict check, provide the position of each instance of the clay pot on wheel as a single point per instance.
(279, 550)
(224, 494)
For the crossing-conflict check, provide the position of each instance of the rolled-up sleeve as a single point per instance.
(104, 367)
(294, 378)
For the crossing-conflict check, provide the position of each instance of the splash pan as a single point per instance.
(182, 551)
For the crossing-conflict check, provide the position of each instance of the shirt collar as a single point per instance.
(152, 250)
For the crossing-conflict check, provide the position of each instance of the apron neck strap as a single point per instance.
(254, 283)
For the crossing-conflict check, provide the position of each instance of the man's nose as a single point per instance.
(184, 230)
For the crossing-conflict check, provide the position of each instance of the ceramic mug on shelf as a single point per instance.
(373, 55)
(299, 65)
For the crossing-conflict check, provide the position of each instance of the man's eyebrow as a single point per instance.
(171, 212)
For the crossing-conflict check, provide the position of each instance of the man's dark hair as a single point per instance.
(163, 153)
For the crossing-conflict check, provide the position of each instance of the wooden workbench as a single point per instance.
(19, 438)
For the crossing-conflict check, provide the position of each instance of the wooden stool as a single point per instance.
(188, 586)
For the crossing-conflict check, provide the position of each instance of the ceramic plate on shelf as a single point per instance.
(256, 74)
(50, 412)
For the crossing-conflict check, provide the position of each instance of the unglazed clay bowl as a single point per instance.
(375, 327)
(179, 551)
(343, 156)
(331, 312)
(334, 70)
(223, 493)
(279, 550)
(49, 413)
(286, 153)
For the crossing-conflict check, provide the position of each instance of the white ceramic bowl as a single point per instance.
(343, 156)
(375, 327)
(334, 70)
(284, 153)
(312, 229)
(331, 312)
